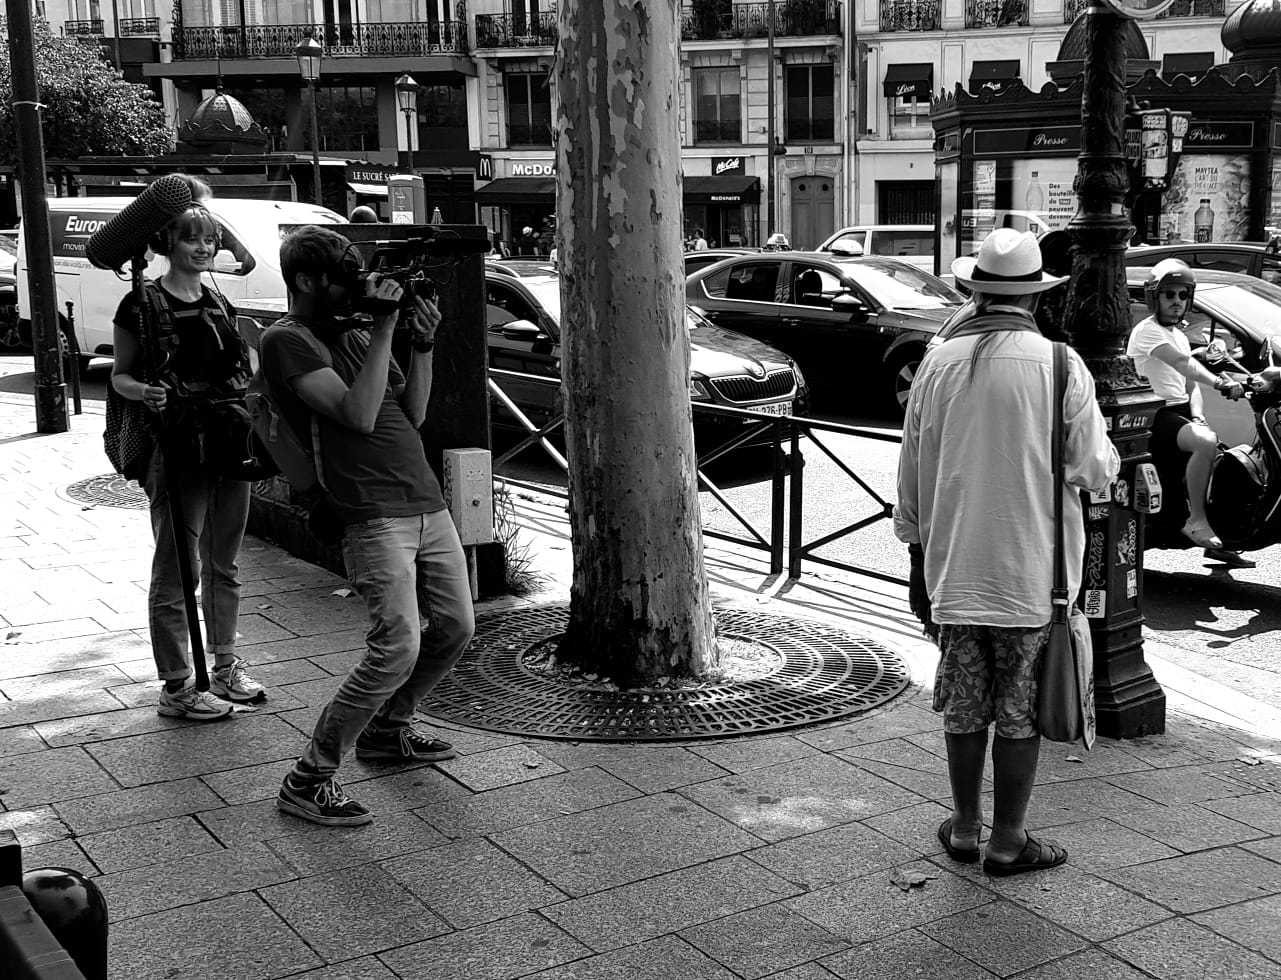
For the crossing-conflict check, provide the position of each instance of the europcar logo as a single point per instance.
(72, 237)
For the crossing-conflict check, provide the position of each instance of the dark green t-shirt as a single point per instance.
(382, 474)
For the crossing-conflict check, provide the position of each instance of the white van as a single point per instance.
(913, 244)
(246, 269)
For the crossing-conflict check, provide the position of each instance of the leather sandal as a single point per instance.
(1035, 856)
(965, 855)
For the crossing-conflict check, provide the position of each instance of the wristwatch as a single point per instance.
(423, 346)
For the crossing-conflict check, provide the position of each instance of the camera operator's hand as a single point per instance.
(380, 287)
(155, 397)
(422, 320)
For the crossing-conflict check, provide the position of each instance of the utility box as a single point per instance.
(469, 493)
(408, 199)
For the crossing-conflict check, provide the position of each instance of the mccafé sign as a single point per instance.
(726, 165)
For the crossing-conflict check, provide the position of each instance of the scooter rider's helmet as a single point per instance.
(1168, 272)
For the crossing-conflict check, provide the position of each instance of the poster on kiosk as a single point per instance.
(408, 199)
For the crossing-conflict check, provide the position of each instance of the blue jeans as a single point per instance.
(413, 577)
(214, 512)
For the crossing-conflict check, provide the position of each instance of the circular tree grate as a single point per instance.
(111, 490)
(824, 673)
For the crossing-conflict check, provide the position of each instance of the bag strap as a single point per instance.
(1059, 599)
(327, 356)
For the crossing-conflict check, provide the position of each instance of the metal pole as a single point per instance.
(409, 143)
(115, 30)
(1129, 702)
(315, 143)
(50, 391)
(769, 126)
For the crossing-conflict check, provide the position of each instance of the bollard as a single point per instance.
(71, 355)
(73, 908)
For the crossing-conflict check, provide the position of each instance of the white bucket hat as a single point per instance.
(1008, 264)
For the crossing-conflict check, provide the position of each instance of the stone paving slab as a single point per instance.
(908, 955)
(1180, 949)
(763, 940)
(516, 947)
(665, 958)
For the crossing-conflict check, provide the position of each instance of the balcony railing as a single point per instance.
(995, 13)
(340, 40)
(1072, 10)
(516, 30)
(140, 27)
(792, 18)
(910, 15)
(83, 28)
(1193, 8)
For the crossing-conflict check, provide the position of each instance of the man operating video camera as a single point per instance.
(399, 544)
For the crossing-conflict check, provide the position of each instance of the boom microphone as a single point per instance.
(128, 233)
(437, 245)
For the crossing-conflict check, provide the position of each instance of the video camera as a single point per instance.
(415, 263)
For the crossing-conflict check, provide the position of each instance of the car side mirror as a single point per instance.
(225, 261)
(521, 330)
(852, 306)
(1216, 352)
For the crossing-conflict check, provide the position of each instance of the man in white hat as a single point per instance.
(976, 509)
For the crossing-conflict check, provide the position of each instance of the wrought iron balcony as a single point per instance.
(1193, 8)
(140, 27)
(910, 15)
(339, 40)
(83, 28)
(1072, 10)
(995, 13)
(516, 30)
(708, 21)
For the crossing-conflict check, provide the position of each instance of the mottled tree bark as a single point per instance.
(639, 606)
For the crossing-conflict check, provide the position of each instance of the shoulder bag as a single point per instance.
(1065, 681)
(128, 438)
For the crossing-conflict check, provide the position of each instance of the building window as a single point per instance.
(717, 112)
(1192, 64)
(907, 87)
(811, 104)
(348, 117)
(84, 10)
(529, 110)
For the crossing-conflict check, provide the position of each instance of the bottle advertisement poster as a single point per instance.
(1043, 189)
(1208, 199)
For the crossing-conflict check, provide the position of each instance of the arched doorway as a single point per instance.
(813, 210)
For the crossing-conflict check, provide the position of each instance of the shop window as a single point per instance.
(529, 110)
(811, 103)
(906, 202)
(910, 118)
(348, 117)
(717, 106)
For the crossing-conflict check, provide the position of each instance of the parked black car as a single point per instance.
(1263, 261)
(845, 319)
(726, 369)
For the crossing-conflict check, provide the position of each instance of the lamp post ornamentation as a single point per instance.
(309, 54)
(407, 97)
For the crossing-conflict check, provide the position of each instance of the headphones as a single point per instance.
(162, 242)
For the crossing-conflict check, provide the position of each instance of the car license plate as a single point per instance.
(774, 408)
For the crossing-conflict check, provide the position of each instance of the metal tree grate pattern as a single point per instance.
(825, 673)
(111, 490)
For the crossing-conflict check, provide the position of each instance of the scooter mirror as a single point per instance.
(1216, 352)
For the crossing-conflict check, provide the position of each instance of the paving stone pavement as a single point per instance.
(769, 856)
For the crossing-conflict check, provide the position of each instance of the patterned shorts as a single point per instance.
(986, 674)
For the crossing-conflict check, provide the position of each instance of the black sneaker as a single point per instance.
(401, 745)
(323, 803)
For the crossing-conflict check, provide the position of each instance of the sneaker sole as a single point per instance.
(180, 713)
(381, 755)
(258, 698)
(293, 809)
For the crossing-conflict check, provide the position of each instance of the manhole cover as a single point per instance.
(112, 490)
(823, 673)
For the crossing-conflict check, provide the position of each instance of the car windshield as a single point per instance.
(1254, 304)
(547, 293)
(900, 286)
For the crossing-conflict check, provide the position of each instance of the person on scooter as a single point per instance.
(1163, 353)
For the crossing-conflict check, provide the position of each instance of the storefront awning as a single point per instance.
(518, 190)
(373, 190)
(907, 81)
(995, 73)
(1193, 63)
(730, 189)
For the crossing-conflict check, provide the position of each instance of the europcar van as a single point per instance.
(246, 268)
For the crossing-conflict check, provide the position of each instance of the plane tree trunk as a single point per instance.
(639, 605)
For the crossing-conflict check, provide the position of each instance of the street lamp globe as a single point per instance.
(309, 52)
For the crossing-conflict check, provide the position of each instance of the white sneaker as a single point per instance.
(232, 683)
(193, 704)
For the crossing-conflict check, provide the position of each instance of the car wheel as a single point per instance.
(11, 338)
(902, 368)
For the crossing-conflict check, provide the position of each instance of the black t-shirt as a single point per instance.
(209, 350)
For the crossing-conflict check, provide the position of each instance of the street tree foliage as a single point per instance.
(88, 106)
(639, 605)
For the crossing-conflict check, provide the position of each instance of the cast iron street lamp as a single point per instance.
(309, 52)
(407, 96)
(1129, 701)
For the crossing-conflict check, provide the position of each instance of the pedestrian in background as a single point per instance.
(399, 544)
(700, 243)
(201, 358)
(527, 243)
(976, 509)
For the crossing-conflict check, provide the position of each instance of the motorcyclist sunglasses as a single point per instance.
(1181, 294)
